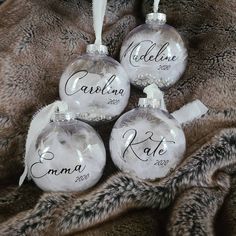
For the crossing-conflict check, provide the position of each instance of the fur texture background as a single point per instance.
(38, 39)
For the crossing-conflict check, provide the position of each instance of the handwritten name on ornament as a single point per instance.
(106, 89)
(152, 54)
(149, 146)
(48, 156)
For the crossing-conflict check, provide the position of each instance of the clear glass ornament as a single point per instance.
(154, 53)
(68, 156)
(147, 142)
(95, 86)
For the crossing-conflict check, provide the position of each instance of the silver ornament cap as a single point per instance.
(63, 116)
(97, 49)
(150, 103)
(156, 16)
(154, 98)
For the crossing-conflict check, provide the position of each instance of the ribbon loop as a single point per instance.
(156, 5)
(99, 9)
(40, 120)
(190, 111)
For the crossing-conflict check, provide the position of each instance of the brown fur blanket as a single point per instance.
(37, 41)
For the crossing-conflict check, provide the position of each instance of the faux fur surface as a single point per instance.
(38, 39)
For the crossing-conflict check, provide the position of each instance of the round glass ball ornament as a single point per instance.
(68, 156)
(95, 86)
(147, 142)
(154, 53)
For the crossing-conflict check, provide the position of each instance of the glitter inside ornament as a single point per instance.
(147, 141)
(68, 156)
(95, 86)
(154, 53)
